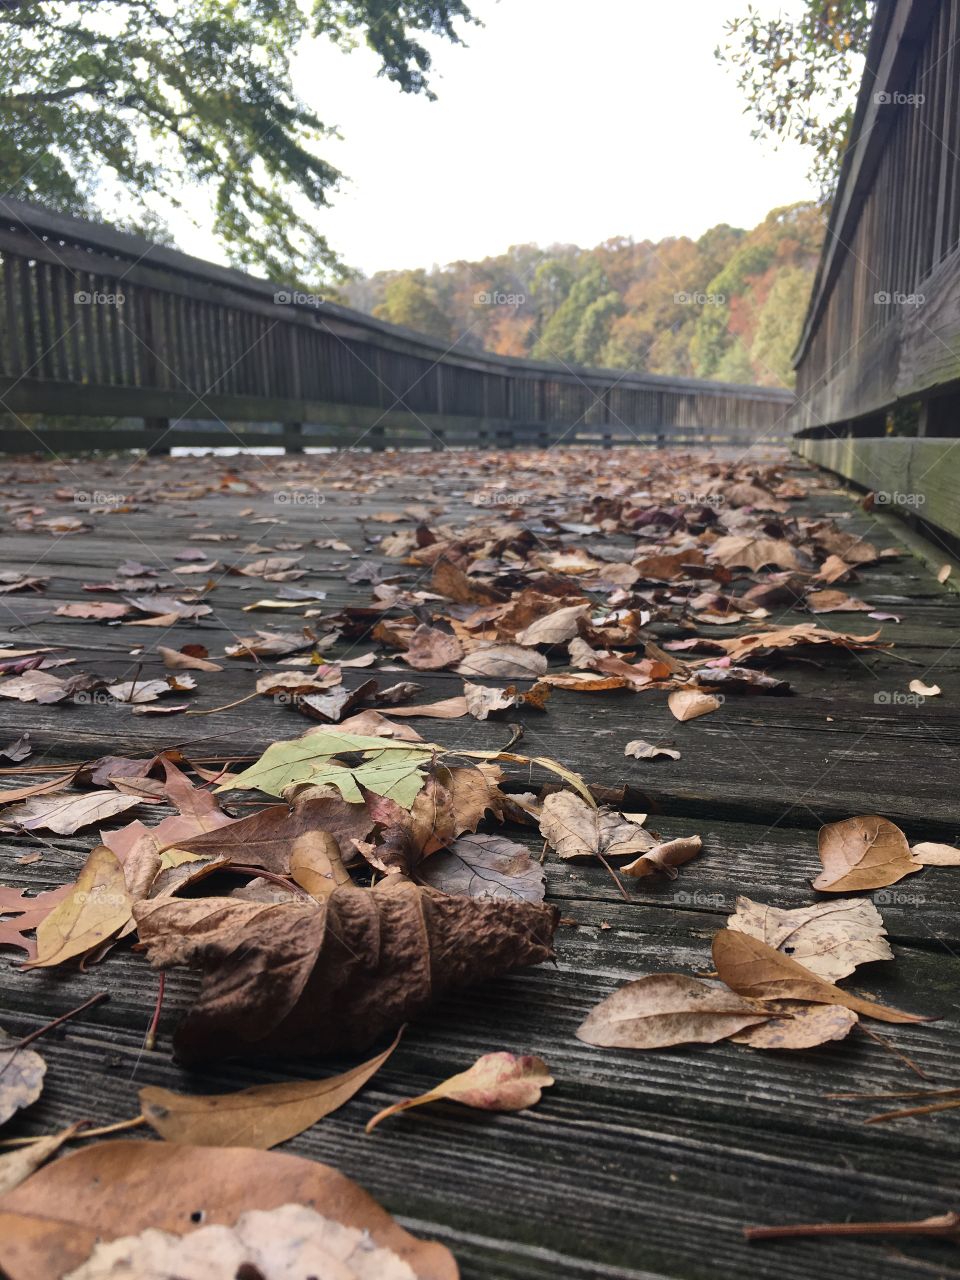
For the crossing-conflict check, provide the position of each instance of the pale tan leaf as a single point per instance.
(641, 750)
(575, 830)
(805, 1027)
(924, 690)
(688, 704)
(67, 814)
(664, 857)
(555, 628)
(664, 1009)
(19, 1165)
(507, 661)
(936, 855)
(495, 1082)
(175, 660)
(828, 938)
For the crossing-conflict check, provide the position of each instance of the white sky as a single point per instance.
(562, 121)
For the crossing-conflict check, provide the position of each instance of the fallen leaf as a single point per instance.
(431, 649)
(67, 814)
(21, 1077)
(931, 854)
(21, 915)
(925, 690)
(828, 938)
(504, 661)
(575, 830)
(688, 704)
(179, 660)
(94, 911)
(486, 867)
(261, 1116)
(751, 968)
(391, 769)
(19, 1165)
(749, 552)
(664, 1009)
(98, 610)
(943, 573)
(17, 750)
(448, 709)
(495, 1082)
(641, 750)
(555, 628)
(835, 602)
(862, 853)
(52, 1222)
(664, 857)
(297, 978)
(807, 1026)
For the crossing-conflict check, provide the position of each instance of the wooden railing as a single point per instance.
(878, 364)
(883, 325)
(96, 323)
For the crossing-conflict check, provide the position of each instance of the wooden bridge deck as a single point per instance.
(634, 1165)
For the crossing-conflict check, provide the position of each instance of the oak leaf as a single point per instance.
(495, 1082)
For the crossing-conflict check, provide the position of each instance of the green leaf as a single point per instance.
(388, 768)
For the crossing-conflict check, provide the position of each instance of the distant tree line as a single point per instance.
(727, 306)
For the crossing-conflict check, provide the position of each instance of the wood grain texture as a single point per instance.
(634, 1166)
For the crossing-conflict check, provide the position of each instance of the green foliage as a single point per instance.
(158, 97)
(800, 76)
(410, 301)
(727, 306)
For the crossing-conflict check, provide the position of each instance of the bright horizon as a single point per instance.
(546, 130)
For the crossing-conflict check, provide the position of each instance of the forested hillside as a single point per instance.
(726, 306)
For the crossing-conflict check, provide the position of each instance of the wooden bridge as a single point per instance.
(97, 323)
(878, 364)
(635, 1165)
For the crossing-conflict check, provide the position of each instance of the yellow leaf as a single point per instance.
(96, 909)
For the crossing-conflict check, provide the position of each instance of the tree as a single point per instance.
(800, 75)
(410, 301)
(153, 96)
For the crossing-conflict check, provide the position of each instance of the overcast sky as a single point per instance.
(561, 121)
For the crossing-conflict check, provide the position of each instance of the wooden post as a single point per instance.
(295, 429)
(160, 447)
